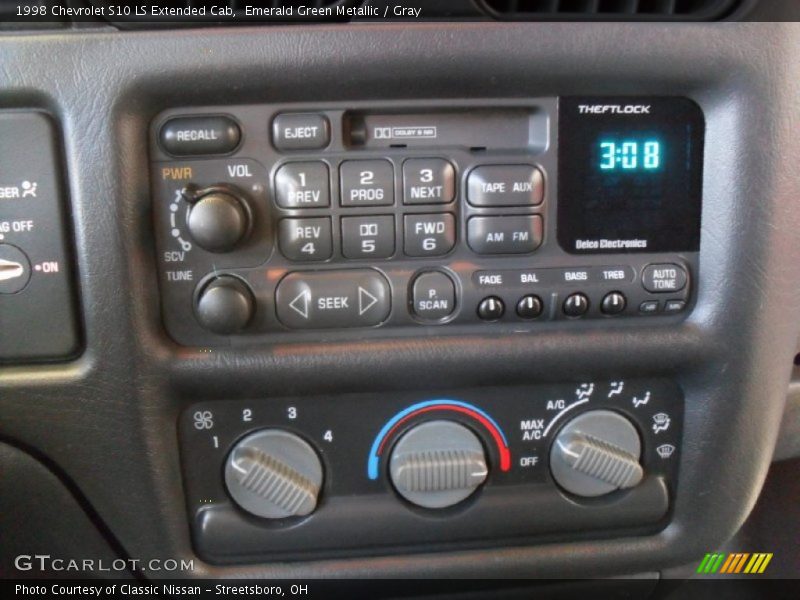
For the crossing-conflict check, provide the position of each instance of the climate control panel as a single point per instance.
(387, 218)
(316, 476)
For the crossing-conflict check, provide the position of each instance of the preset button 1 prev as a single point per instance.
(327, 299)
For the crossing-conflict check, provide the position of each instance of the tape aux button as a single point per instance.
(505, 185)
(328, 299)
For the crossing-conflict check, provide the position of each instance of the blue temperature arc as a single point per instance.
(374, 453)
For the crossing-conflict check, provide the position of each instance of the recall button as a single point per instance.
(301, 131)
(326, 299)
(664, 278)
(192, 136)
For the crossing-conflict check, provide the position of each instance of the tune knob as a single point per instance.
(596, 453)
(225, 305)
(218, 217)
(274, 474)
(438, 464)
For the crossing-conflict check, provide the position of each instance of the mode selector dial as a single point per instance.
(596, 453)
(274, 474)
(438, 464)
(218, 218)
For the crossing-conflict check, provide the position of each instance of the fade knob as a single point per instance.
(225, 305)
(438, 464)
(218, 218)
(596, 453)
(274, 474)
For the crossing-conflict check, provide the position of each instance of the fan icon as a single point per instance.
(203, 419)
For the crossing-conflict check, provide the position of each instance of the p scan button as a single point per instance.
(328, 299)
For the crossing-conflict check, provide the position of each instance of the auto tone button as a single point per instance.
(328, 299)
(664, 278)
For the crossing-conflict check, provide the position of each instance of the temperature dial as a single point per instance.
(596, 453)
(218, 219)
(438, 464)
(274, 474)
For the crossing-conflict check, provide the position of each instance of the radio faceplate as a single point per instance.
(274, 222)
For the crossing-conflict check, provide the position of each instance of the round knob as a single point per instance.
(274, 474)
(596, 453)
(217, 219)
(225, 305)
(438, 464)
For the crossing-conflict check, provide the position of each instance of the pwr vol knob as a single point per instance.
(218, 218)
(438, 464)
(274, 474)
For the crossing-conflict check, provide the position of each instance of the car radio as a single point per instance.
(276, 222)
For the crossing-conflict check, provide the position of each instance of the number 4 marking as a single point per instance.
(328, 437)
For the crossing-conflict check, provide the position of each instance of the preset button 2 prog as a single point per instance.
(367, 183)
(333, 299)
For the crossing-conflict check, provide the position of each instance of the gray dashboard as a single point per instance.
(108, 419)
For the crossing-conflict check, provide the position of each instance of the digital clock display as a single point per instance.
(630, 155)
(630, 174)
